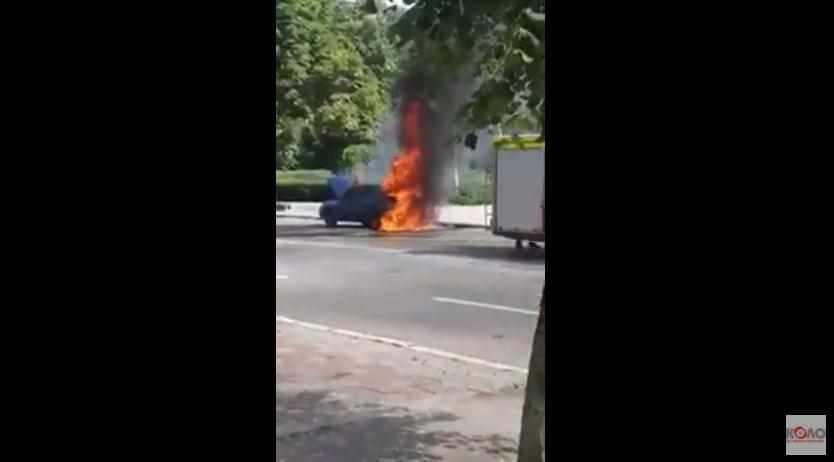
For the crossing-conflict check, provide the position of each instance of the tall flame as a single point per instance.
(406, 178)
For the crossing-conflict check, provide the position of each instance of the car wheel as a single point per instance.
(329, 220)
(373, 224)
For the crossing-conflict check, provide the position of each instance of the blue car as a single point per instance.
(363, 203)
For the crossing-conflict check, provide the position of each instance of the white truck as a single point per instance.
(518, 188)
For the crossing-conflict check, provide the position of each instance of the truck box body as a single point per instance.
(518, 188)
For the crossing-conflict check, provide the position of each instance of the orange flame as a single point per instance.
(404, 181)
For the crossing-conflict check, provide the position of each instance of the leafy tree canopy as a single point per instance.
(335, 65)
(498, 43)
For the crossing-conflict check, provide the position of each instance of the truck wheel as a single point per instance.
(519, 245)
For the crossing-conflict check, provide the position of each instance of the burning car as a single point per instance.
(365, 204)
(405, 199)
(408, 177)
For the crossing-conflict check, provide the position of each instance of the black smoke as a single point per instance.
(441, 98)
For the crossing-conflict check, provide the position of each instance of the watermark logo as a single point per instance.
(805, 434)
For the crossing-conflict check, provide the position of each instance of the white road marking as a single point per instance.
(404, 344)
(281, 277)
(455, 301)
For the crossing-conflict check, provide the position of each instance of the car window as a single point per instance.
(357, 192)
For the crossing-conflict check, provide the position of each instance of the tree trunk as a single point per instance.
(532, 443)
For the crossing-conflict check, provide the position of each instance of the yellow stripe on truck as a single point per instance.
(524, 142)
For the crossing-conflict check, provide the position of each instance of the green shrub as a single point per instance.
(303, 193)
(303, 185)
(288, 177)
(473, 190)
(287, 157)
(358, 154)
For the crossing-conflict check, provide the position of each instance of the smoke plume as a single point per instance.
(442, 97)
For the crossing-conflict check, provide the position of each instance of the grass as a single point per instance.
(474, 189)
(309, 177)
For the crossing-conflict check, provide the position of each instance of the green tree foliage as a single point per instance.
(334, 69)
(499, 43)
(358, 153)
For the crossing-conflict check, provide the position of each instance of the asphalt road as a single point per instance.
(463, 291)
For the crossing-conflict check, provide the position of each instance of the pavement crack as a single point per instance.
(424, 389)
(319, 429)
(381, 392)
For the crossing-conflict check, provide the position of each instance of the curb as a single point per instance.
(463, 225)
(406, 345)
(306, 217)
(444, 223)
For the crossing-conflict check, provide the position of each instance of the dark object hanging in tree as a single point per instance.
(471, 141)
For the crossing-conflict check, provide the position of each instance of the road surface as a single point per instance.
(462, 291)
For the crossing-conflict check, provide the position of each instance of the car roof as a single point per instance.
(365, 188)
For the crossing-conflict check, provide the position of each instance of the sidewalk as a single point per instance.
(345, 399)
(450, 215)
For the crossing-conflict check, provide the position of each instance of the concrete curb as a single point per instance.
(447, 224)
(406, 345)
(305, 217)
(309, 210)
(462, 225)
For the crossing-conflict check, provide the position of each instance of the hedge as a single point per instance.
(286, 177)
(473, 189)
(303, 185)
(303, 192)
(311, 186)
